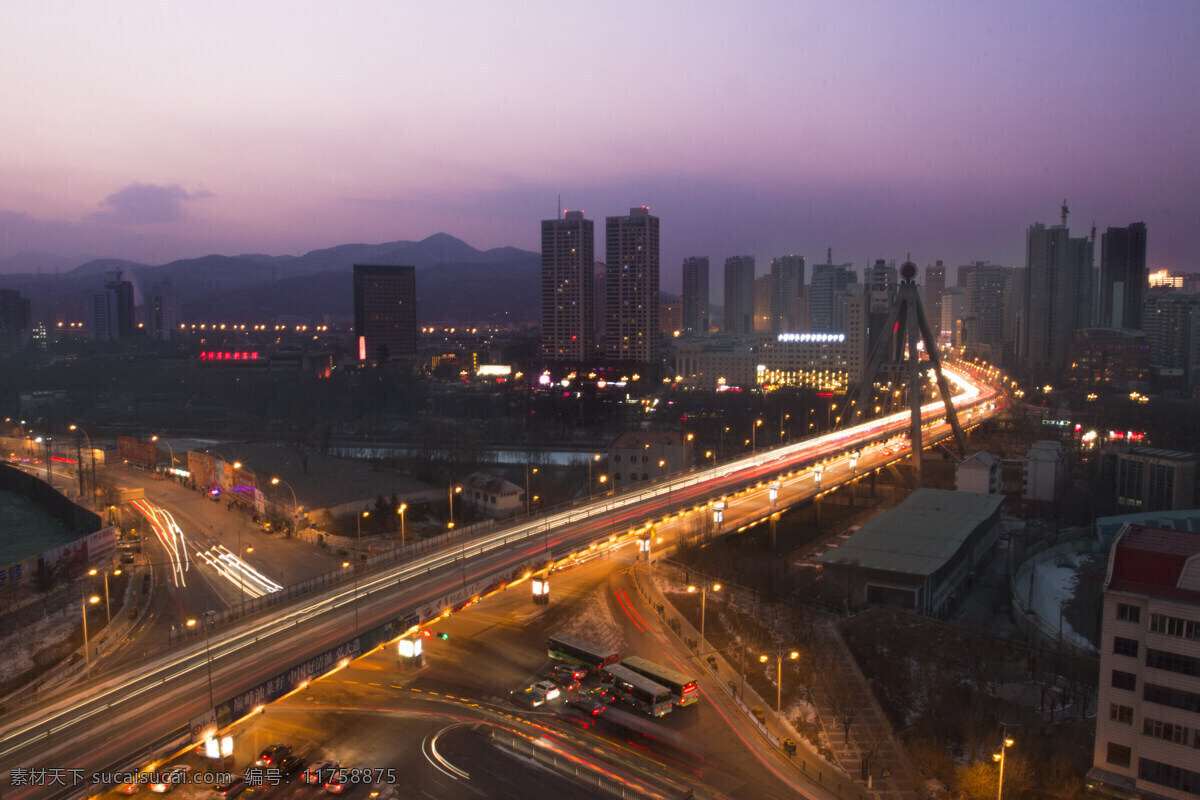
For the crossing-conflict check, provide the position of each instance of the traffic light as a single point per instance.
(443, 635)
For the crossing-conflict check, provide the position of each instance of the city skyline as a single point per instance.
(933, 129)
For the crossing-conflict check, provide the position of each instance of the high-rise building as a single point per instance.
(14, 320)
(631, 287)
(124, 325)
(670, 319)
(1148, 702)
(568, 283)
(102, 316)
(1171, 320)
(953, 300)
(1057, 296)
(882, 282)
(695, 294)
(984, 293)
(739, 294)
(1122, 276)
(762, 304)
(385, 313)
(789, 309)
(830, 282)
(931, 297)
(162, 310)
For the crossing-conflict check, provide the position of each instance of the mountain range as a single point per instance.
(455, 282)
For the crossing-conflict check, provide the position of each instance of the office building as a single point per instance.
(695, 294)
(1148, 720)
(831, 283)
(14, 321)
(385, 313)
(953, 302)
(882, 282)
(789, 309)
(1171, 320)
(568, 283)
(631, 287)
(1122, 276)
(739, 295)
(1114, 357)
(1150, 478)
(1057, 297)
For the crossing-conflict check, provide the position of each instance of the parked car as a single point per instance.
(168, 779)
(231, 789)
(271, 754)
(319, 771)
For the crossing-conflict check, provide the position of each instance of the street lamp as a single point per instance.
(754, 436)
(116, 572)
(716, 587)
(191, 623)
(91, 457)
(793, 655)
(400, 510)
(170, 450)
(528, 503)
(453, 490)
(1004, 745)
(87, 654)
(295, 505)
(595, 457)
(357, 560)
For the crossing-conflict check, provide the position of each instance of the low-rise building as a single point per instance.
(920, 555)
(636, 457)
(1148, 720)
(978, 472)
(1044, 473)
(492, 496)
(1150, 478)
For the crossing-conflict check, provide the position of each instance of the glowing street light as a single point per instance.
(1006, 743)
(793, 655)
(400, 510)
(716, 587)
(87, 653)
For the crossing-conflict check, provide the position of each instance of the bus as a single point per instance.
(680, 749)
(683, 689)
(565, 647)
(640, 692)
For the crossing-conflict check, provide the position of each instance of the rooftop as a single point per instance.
(1159, 562)
(918, 536)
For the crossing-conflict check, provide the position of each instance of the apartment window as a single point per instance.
(1165, 730)
(1173, 662)
(1175, 698)
(1120, 713)
(1118, 755)
(1128, 613)
(1168, 775)
(1124, 680)
(1125, 647)
(1174, 626)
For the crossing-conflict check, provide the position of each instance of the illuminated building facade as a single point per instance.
(631, 284)
(568, 283)
(823, 361)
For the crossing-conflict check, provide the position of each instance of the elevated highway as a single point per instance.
(117, 718)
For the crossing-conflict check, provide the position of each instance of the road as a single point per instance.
(65, 729)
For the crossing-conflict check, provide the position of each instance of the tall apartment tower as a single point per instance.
(882, 283)
(695, 294)
(1057, 296)
(985, 291)
(14, 320)
(568, 284)
(102, 317)
(830, 282)
(1122, 277)
(162, 310)
(789, 309)
(739, 294)
(385, 313)
(1148, 716)
(631, 287)
(762, 304)
(931, 299)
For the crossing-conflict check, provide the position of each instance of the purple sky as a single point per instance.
(154, 131)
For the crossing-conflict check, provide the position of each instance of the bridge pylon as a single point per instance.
(896, 352)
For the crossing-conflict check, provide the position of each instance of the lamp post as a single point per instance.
(87, 653)
(295, 505)
(595, 457)
(453, 490)
(1005, 743)
(793, 655)
(400, 510)
(170, 450)
(713, 456)
(191, 623)
(716, 587)
(107, 611)
(528, 503)
(754, 436)
(357, 560)
(662, 464)
(91, 456)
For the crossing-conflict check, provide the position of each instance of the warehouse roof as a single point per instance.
(918, 536)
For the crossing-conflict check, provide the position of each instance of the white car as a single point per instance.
(168, 779)
(548, 688)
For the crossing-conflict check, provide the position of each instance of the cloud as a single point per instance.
(145, 204)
